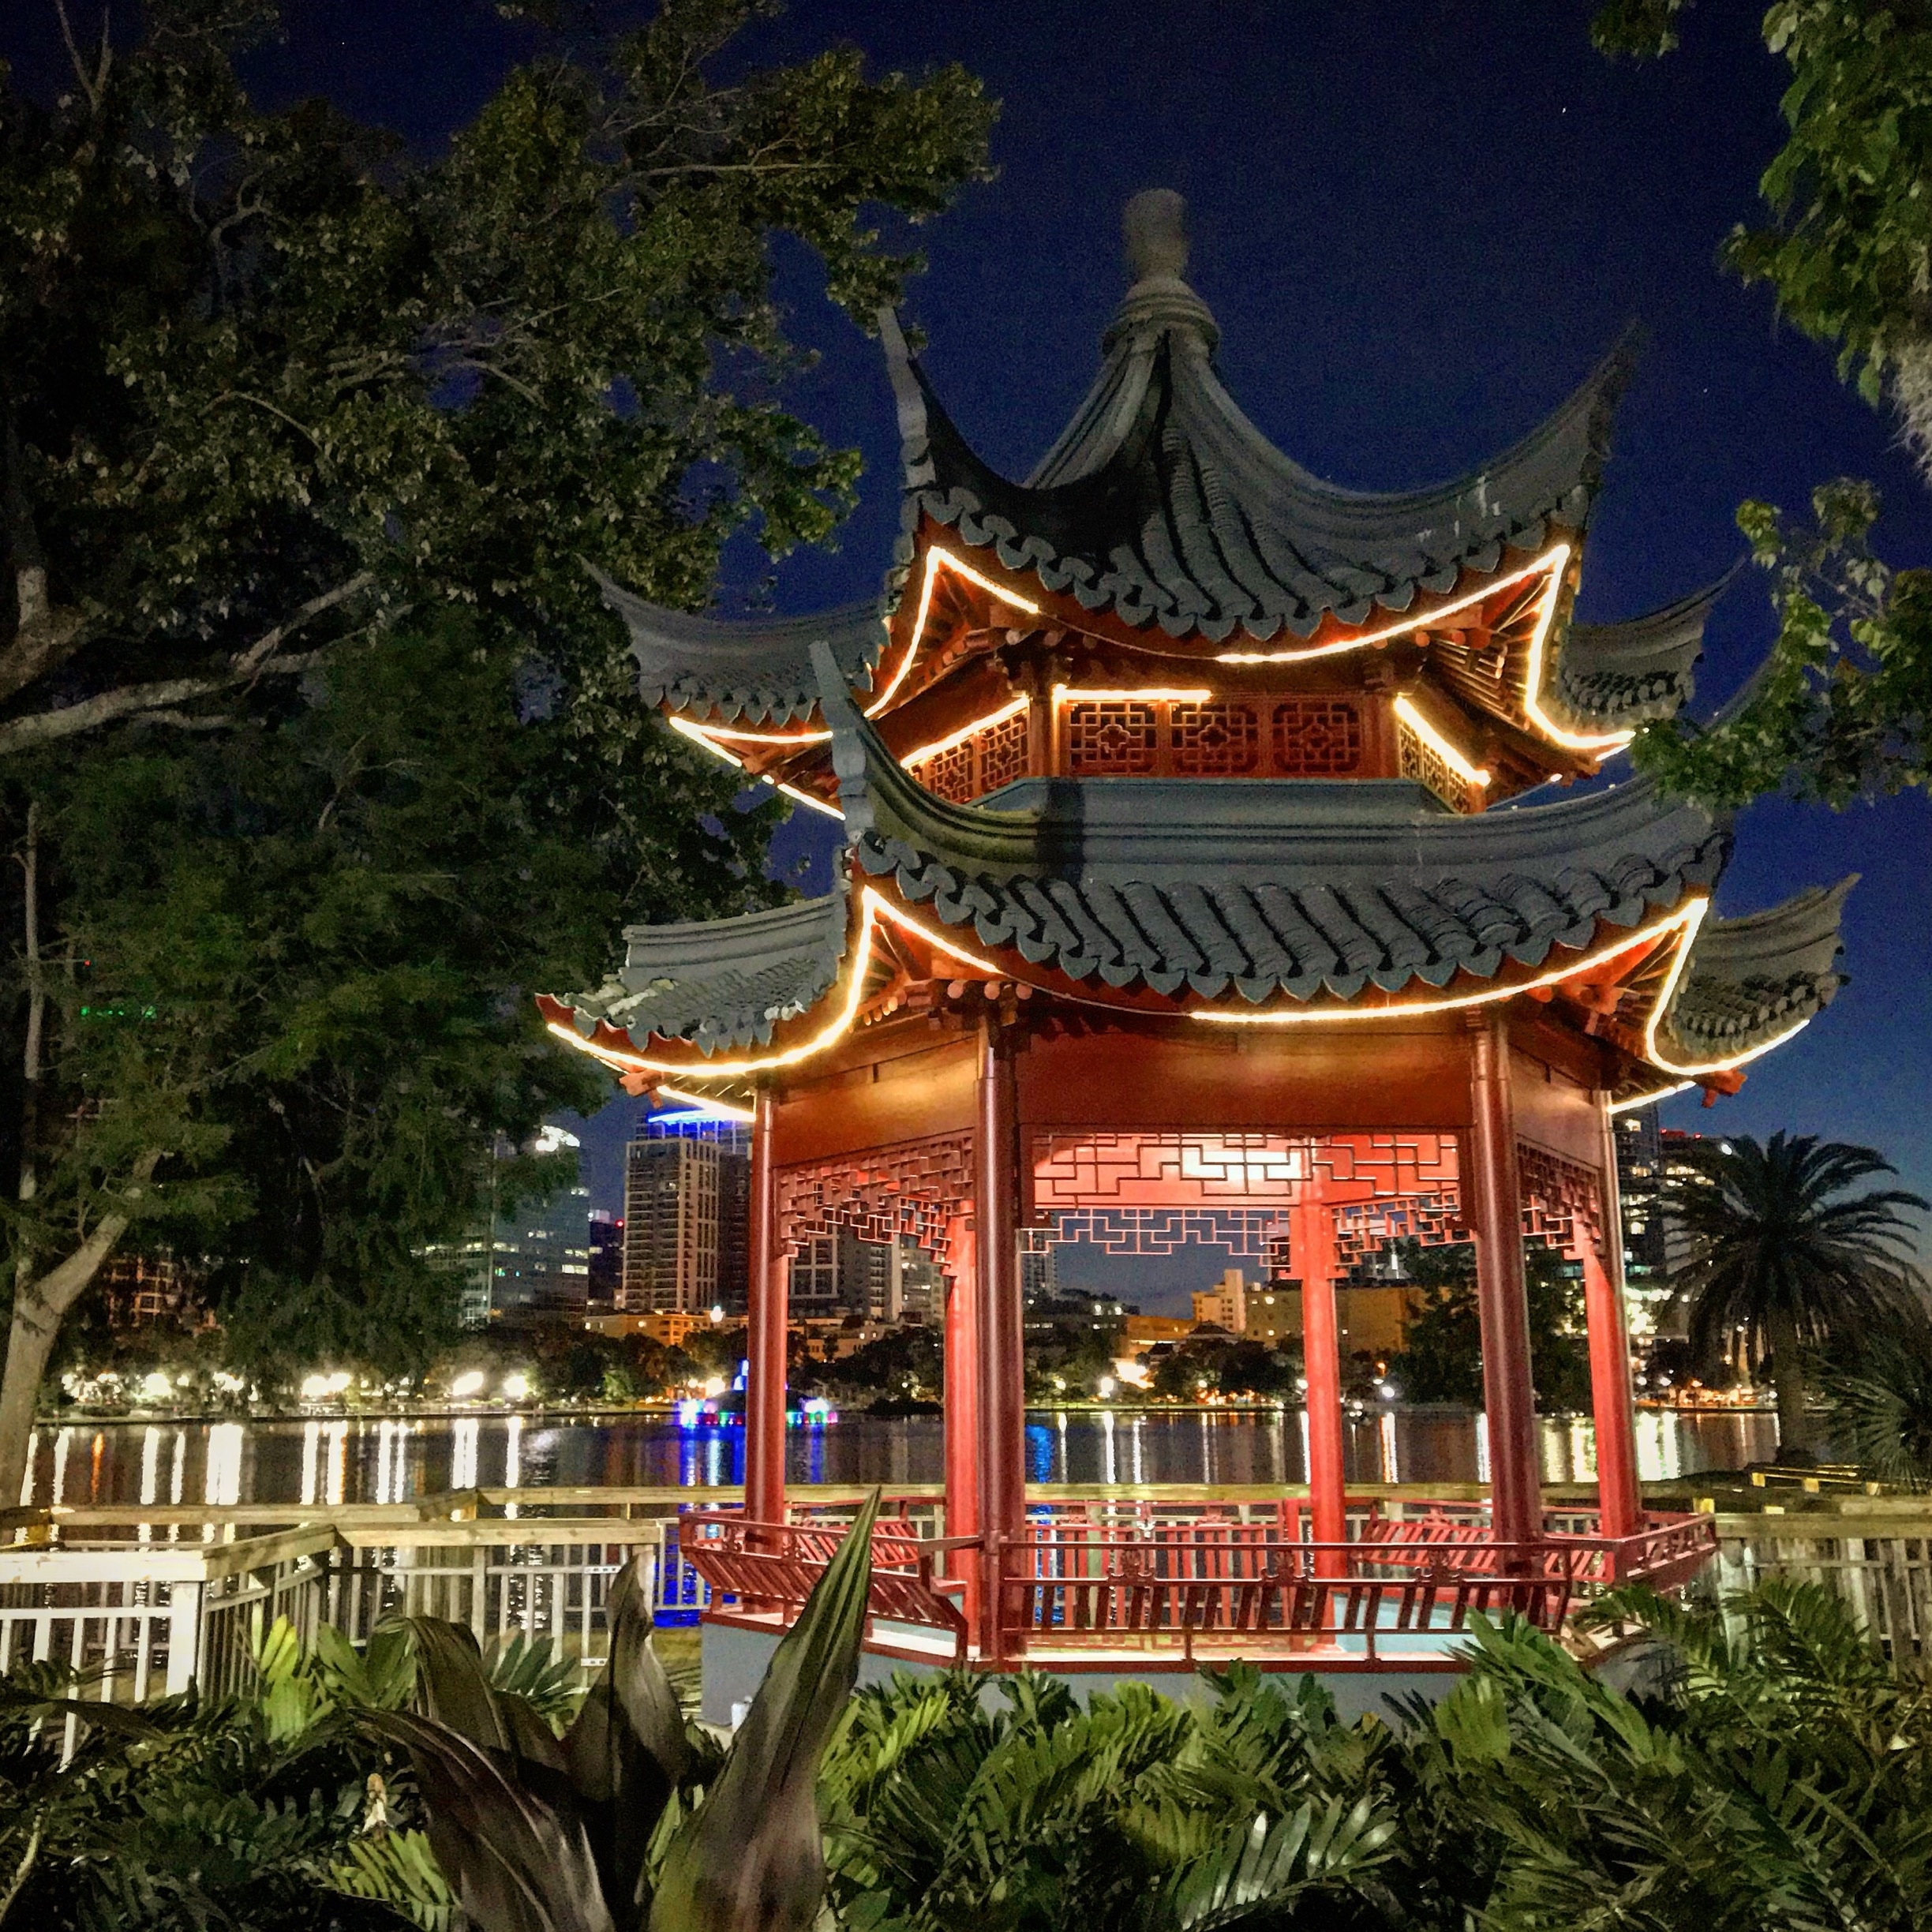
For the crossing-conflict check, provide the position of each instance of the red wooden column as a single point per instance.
(1619, 1496)
(1311, 1236)
(767, 1288)
(1001, 1336)
(963, 1514)
(1493, 1208)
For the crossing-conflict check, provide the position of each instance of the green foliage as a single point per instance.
(305, 446)
(1441, 1358)
(1878, 1390)
(1838, 710)
(633, 1818)
(1782, 1257)
(943, 1811)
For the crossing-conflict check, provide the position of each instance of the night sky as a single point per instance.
(1419, 225)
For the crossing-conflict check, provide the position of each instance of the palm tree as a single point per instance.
(1777, 1255)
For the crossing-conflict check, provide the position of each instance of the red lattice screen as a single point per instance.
(1561, 1199)
(1113, 736)
(1317, 737)
(913, 1188)
(1218, 740)
(1211, 738)
(992, 757)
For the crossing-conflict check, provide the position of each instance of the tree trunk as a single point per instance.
(1788, 1379)
(38, 1308)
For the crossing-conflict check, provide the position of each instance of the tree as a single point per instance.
(1441, 1358)
(1842, 706)
(319, 753)
(1781, 1258)
(1878, 1398)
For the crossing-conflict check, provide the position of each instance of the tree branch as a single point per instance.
(265, 646)
(61, 1287)
(137, 700)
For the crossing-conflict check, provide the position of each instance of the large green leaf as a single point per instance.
(626, 1752)
(751, 1859)
(519, 1861)
(454, 1689)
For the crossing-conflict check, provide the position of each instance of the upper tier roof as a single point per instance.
(1163, 503)
(1624, 675)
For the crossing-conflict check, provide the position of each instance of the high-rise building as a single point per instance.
(606, 1258)
(1224, 1305)
(688, 1204)
(671, 1227)
(540, 1252)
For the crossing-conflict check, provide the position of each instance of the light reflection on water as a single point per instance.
(361, 1460)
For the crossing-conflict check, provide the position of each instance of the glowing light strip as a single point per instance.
(1684, 917)
(1469, 773)
(873, 905)
(1553, 560)
(752, 737)
(1685, 921)
(704, 739)
(805, 798)
(1662, 1093)
(1081, 693)
(1699, 908)
(1532, 676)
(964, 731)
(708, 1103)
(935, 557)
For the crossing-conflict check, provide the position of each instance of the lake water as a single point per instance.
(375, 1460)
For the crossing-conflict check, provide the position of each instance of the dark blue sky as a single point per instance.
(1419, 223)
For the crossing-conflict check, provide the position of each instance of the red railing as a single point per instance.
(770, 1568)
(1138, 1575)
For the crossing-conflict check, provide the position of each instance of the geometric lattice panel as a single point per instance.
(1317, 738)
(913, 1188)
(1561, 1201)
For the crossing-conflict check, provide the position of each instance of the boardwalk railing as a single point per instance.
(152, 1600)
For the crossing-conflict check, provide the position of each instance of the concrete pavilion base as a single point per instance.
(734, 1658)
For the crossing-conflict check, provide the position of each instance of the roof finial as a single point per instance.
(1160, 303)
(1155, 223)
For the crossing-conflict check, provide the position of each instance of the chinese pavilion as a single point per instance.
(1183, 883)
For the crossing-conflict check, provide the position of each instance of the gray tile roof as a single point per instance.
(1616, 676)
(1301, 889)
(721, 984)
(1163, 503)
(1750, 980)
(757, 670)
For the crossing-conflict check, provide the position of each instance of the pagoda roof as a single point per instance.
(1751, 980)
(1320, 892)
(1304, 887)
(724, 983)
(758, 670)
(1162, 504)
(1624, 675)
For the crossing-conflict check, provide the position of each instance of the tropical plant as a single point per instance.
(634, 1819)
(1878, 1398)
(1128, 1812)
(1780, 1257)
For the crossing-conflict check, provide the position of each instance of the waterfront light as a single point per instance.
(314, 1387)
(716, 1385)
(516, 1385)
(468, 1383)
(155, 1386)
(1105, 1387)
